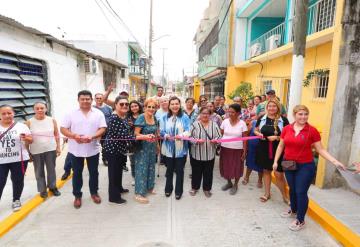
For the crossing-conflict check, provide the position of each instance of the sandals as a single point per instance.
(192, 192)
(152, 192)
(141, 199)
(259, 185)
(286, 201)
(265, 198)
(245, 181)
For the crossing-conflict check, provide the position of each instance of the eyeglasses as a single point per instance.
(204, 100)
(123, 104)
(97, 98)
(151, 107)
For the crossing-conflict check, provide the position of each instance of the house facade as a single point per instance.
(35, 66)
(262, 44)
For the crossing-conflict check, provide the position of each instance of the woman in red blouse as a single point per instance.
(297, 140)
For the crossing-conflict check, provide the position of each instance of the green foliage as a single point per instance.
(180, 87)
(244, 91)
(311, 74)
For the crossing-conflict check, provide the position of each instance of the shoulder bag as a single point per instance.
(290, 165)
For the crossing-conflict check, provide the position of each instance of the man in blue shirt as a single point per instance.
(107, 111)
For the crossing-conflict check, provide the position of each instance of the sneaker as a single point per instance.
(55, 192)
(65, 176)
(44, 194)
(288, 214)
(233, 190)
(296, 226)
(16, 205)
(226, 187)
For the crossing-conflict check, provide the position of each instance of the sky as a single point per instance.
(176, 20)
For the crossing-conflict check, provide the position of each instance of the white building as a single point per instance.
(35, 66)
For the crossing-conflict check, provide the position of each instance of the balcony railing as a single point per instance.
(137, 70)
(320, 15)
(268, 41)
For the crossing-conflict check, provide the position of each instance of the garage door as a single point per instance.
(22, 83)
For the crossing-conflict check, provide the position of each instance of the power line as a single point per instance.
(107, 19)
(122, 22)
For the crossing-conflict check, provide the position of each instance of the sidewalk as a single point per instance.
(30, 188)
(344, 205)
(223, 220)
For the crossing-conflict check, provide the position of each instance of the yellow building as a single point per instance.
(262, 55)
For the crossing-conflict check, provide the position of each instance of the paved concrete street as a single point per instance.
(223, 220)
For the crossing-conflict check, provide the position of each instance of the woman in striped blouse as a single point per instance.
(205, 132)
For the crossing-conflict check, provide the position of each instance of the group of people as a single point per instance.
(162, 128)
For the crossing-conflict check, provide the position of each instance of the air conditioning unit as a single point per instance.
(273, 42)
(91, 66)
(255, 50)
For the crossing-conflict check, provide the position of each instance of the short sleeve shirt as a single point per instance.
(11, 145)
(79, 123)
(299, 148)
(233, 131)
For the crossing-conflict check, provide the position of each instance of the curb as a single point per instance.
(13, 219)
(330, 224)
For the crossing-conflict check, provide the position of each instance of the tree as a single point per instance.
(244, 91)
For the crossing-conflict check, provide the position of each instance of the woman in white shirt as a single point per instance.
(232, 154)
(13, 154)
(44, 149)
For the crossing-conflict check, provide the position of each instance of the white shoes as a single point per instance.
(16, 205)
(296, 226)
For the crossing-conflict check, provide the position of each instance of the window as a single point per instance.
(321, 86)
(23, 82)
(122, 73)
(267, 85)
(210, 41)
(109, 75)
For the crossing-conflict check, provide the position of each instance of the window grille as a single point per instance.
(23, 82)
(321, 86)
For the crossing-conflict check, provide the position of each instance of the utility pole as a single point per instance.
(163, 68)
(297, 69)
(150, 48)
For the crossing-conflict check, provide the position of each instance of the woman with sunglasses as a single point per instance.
(135, 109)
(117, 142)
(173, 128)
(146, 130)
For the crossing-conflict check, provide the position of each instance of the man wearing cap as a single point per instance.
(260, 110)
(110, 102)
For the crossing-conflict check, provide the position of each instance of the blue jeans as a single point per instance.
(77, 180)
(299, 182)
(68, 162)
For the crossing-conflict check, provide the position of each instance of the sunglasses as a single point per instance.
(151, 107)
(97, 98)
(123, 104)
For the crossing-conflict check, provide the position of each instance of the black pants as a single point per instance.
(115, 172)
(202, 170)
(77, 180)
(17, 178)
(177, 165)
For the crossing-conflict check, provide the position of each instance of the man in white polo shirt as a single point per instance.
(84, 126)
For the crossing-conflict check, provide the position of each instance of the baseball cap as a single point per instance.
(271, 92)
(122, 92)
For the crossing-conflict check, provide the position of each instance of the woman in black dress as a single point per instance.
(269, 127)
